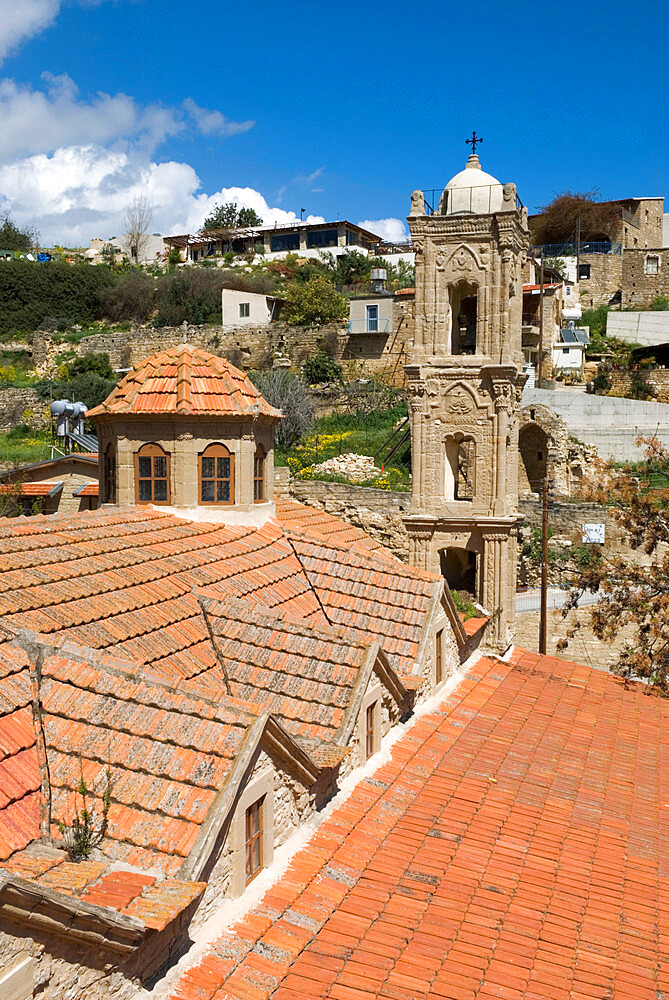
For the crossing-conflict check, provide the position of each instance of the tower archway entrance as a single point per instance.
(458, 567)
(533, 447)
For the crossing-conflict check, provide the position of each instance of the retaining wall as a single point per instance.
(612, 425)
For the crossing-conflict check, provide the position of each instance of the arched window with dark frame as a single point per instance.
(152, 475)
(217, 475)
(109, 475)
(259, 474)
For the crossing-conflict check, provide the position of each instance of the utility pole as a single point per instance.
(543, 619)
(539, 379)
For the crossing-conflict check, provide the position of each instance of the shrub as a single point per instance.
(31, 293)
(288, 393)
(89, 379)
(314, 302)
(131, 297)
(660, 303)
(321, 368)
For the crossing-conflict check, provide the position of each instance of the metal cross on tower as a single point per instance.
(474, 141)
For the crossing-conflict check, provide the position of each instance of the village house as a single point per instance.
(65, 483)
(212, 657)
(275, 242)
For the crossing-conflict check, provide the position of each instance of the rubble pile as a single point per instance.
(357, 468)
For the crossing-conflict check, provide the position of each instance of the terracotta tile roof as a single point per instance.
(369, 595)
(156, 902)
(168, 752)
(88, 490)
(299, 517)
(513, 846)
(304, 676)
(186, 380)
(19, 771)
(45, 489)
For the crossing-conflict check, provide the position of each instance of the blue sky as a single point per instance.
(340, 109)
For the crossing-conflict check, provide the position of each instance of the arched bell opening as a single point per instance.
(463, 298)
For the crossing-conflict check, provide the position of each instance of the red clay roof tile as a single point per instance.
(508, 848)
(188, 381)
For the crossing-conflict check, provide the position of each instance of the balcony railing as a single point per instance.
(571, 249)
(367, 326)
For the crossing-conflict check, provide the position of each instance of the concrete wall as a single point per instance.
(647, 328)
(260, 308)
(611, 425)
(357, 313)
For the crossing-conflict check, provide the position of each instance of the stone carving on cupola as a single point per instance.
(186, 430)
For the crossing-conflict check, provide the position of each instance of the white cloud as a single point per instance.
(214, 122)
(40, 121)
(390, 230)
(23, 19)
(83, 191)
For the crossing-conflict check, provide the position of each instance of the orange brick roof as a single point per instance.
(186, 380)
(43, 489)
(326, 526)
(88, 490)
(514, 846)
(19, 772)
(303, 675)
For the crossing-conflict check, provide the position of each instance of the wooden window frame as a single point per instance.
(153, 451)
(252, 839)
(215, 451)
(109, 474)
(370, 730)
(259, 481)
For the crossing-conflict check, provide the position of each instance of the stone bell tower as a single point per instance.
(464, 382)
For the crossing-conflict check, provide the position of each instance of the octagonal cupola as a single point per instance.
(186, 430)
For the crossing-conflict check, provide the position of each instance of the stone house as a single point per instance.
(67, 483)
(240, 309)
(208, 658)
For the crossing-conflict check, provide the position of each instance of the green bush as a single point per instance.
(660, 303)
(31, 294)
(130, 297)
(89, 379)
(314, 302)
(288, 393)
(321, 368)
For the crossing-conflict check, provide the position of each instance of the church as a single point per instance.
(195, 671)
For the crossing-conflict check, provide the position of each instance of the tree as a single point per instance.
(320, 367)
(13, 238)
(314, 302)
(136, 225)
(559, 221)
(231, 216)
(634, 595)
(88, 379)
(288, 393)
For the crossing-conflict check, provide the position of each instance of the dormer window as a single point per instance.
(109, 475)
(152, 475)
(217, 475)
(259, 475)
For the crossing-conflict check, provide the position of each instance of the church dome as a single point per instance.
(186, 381)
(471, 192)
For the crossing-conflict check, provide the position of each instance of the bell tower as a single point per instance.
(464, 382)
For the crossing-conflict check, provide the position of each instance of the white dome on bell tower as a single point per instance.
(471, 192)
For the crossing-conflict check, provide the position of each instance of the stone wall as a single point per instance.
(639, 288)
(374, 355)
(622, 382)
(378, 512)
(22, 406)
(606, 278)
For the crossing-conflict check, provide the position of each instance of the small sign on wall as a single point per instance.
(594, 534)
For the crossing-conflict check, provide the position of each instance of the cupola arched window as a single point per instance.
(259, 475)
(109, 475)
(460, 468)
(217, 475)
(152, 475)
